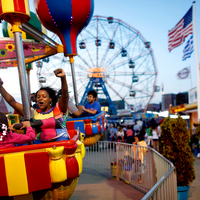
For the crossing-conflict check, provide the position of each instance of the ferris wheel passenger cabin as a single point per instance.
(111, 45)
(147, 44)
(123, 53)
(131, 64)
(82, 45)
(132, 93)
(46, 60)
(42, 79)
(135, 79)
(110, 20)
(98, 42)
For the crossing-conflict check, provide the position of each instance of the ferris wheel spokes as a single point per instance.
(128, 59)
(141, 81)
(118, 52)
(80, 89)
(84, 61)
(106, 51)
(87, 53)
(119, 95)
(129, 86)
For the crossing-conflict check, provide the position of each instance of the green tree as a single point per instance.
(175, 147)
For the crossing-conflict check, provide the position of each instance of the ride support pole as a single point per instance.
(71, 59)
(21, 70)
(29, 86)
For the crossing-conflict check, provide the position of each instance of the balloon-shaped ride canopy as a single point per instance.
(66, 19)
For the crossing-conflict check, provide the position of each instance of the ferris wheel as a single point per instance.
(113, 58)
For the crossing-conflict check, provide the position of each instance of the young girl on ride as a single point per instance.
(9, 138)
(53, 113)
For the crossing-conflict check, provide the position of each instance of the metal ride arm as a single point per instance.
(34, 32)
(44, 39)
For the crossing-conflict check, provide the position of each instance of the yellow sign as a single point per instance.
(104, 108)
(96, 72)
(177, 109)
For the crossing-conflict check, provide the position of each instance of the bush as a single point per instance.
(175, 147)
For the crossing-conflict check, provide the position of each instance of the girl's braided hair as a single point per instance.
(3, 119)
(3, 125)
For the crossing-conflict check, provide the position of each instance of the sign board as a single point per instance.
(192, 95)
(177, 109)
(123, 112)
(184, 73)
(128, 122)
(97, 72)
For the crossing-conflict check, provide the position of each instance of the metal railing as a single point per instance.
(142, 167)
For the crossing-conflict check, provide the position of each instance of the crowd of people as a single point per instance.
(141, 135)
(149, 131)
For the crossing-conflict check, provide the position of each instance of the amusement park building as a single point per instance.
(154, 107)
(174, 100)
(169, 99)
(187, 105)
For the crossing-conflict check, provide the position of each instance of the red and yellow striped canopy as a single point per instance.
(18, 7)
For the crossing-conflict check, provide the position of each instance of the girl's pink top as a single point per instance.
(14, 138)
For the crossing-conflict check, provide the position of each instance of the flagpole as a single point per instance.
(197, 61)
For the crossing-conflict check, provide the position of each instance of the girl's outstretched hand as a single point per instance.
(59, 72)
(25, 124)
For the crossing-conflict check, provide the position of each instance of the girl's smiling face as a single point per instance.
(43, 100)
(136, 139)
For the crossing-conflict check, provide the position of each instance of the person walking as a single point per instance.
(149, 136)
(136, 129)
(155, 137)
(112, 133)
(129, 134)
(120, 134)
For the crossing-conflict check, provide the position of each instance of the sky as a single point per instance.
(153, 19)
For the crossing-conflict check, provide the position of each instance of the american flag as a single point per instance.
(178, 34)
(189, 48)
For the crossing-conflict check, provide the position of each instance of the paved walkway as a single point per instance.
(92, 186)
(194, 191)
